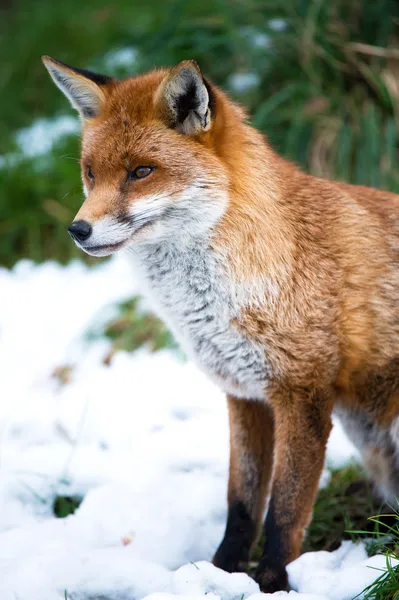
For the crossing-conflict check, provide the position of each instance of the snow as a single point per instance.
(143, 441)
(344, 573)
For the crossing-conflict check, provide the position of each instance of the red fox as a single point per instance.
(283, 287)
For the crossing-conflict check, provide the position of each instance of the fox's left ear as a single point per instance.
(185, 99)
(85, 90)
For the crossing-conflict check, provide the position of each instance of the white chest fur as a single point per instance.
(191, 293)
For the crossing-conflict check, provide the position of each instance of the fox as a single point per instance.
(281, 286)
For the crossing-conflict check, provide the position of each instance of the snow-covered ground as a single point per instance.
(144, 441)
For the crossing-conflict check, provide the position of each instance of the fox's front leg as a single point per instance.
(251, 462)
(302, 422)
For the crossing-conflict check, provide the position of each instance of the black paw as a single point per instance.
(271, 579)
(233, 553)
(231, 558)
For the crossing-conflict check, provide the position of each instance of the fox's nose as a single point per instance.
(80, 230)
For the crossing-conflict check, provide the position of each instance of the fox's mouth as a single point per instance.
(106, 249)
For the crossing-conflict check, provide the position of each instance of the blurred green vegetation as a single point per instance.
(132, 328)
(343, 506)
(321, 81)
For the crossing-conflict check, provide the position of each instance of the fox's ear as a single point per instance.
(184, 99)
(85, 90)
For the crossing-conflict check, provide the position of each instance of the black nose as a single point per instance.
(80, 230)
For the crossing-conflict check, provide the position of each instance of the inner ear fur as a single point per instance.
(185, 99)
(84, 89)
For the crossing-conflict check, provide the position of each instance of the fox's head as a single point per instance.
(148, 162)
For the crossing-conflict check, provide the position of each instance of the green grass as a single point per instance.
(386, 584)
(64, 506)
(326, 93)
(341, 508)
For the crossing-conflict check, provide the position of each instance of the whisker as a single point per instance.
(69, 157)
(131, 249)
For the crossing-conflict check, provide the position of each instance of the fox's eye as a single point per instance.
(90, 173)
(139, 173)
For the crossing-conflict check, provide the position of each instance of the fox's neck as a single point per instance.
(255, 234)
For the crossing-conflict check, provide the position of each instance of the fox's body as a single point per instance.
(283, 287)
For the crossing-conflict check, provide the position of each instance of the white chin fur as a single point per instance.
(99, 251)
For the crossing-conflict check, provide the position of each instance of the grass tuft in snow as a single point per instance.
(66, 505)
(132, 329)
(386, 540)
(386, 586)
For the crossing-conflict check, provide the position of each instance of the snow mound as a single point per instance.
(339, 575)
(144, 443)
